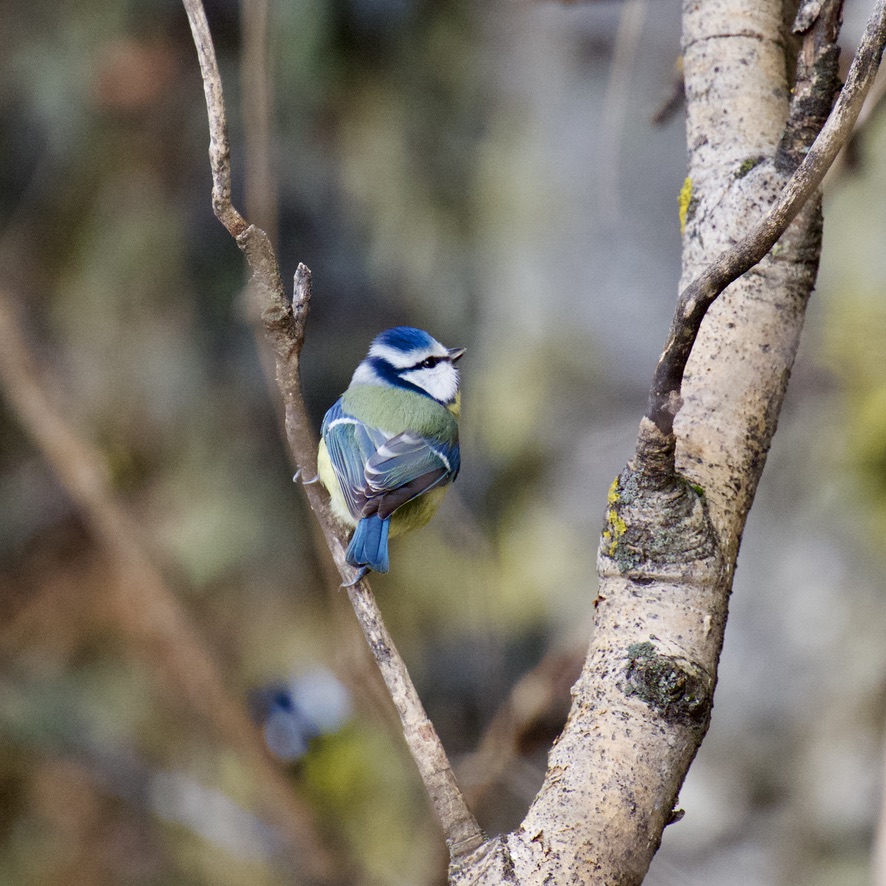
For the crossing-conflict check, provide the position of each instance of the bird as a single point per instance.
(389, 445)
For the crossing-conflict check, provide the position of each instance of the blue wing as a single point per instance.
(403, 468)
(379, 473)
(350, 444)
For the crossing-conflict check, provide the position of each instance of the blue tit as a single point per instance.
(390, 442)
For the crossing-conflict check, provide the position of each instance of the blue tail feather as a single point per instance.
(369, 546)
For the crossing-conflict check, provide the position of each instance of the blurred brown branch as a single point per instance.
(285, 330)
(143, 605)
(258, 103)
(535, 710)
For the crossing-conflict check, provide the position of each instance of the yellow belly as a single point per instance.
(416, 513)
(329, 479)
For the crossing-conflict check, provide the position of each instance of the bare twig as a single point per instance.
(664, 398)
(285, 330)
(539, 699)
(219, 148)
(261, 204)
(143, 603)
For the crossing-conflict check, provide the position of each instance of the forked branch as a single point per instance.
(694, 301)
(284, 329)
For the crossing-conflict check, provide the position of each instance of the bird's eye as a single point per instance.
(430, 362)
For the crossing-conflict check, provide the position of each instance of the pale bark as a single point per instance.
(737, 373)
(642, 704)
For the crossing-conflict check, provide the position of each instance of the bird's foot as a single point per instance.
(297, 475)
(361, 574)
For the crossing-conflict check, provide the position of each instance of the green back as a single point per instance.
(394, 410)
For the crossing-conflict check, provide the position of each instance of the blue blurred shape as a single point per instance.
(291, 714)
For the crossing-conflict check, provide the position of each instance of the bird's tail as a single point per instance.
(369, 546)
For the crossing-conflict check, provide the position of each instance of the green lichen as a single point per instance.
(645, 650)
(677, 689)
(747, 165)
(678, 528)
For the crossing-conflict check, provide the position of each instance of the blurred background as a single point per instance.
(504, 175)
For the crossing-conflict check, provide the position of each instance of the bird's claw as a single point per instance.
(361, 574)
(311, 482)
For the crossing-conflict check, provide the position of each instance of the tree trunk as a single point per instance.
(668, 552)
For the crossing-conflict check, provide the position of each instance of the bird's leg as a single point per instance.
(361, 574)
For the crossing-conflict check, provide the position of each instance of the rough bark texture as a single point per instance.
(667, 556)
(738, 371)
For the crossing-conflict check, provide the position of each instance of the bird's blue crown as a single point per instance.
(404, 338)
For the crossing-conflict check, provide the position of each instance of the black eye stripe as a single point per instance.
(428, 363)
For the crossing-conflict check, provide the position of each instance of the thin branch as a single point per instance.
(219, 147)
(143, 604)
(664, 397)
(461, 830)
(285, 330)
(261, 204)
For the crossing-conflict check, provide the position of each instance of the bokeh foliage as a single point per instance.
(437, 165)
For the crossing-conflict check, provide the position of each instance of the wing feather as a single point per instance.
(405, 467)
(350, 444)
(380, 473)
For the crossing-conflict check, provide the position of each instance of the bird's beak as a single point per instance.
(456, 353)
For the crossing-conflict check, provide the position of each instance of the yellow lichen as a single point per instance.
(684, 200)
(616, 526)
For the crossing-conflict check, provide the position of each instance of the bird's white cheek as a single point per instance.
(441, 382)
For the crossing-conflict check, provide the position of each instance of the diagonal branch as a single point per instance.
(285, 329)
(260, 199)
(664, 397)
(147, 610)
